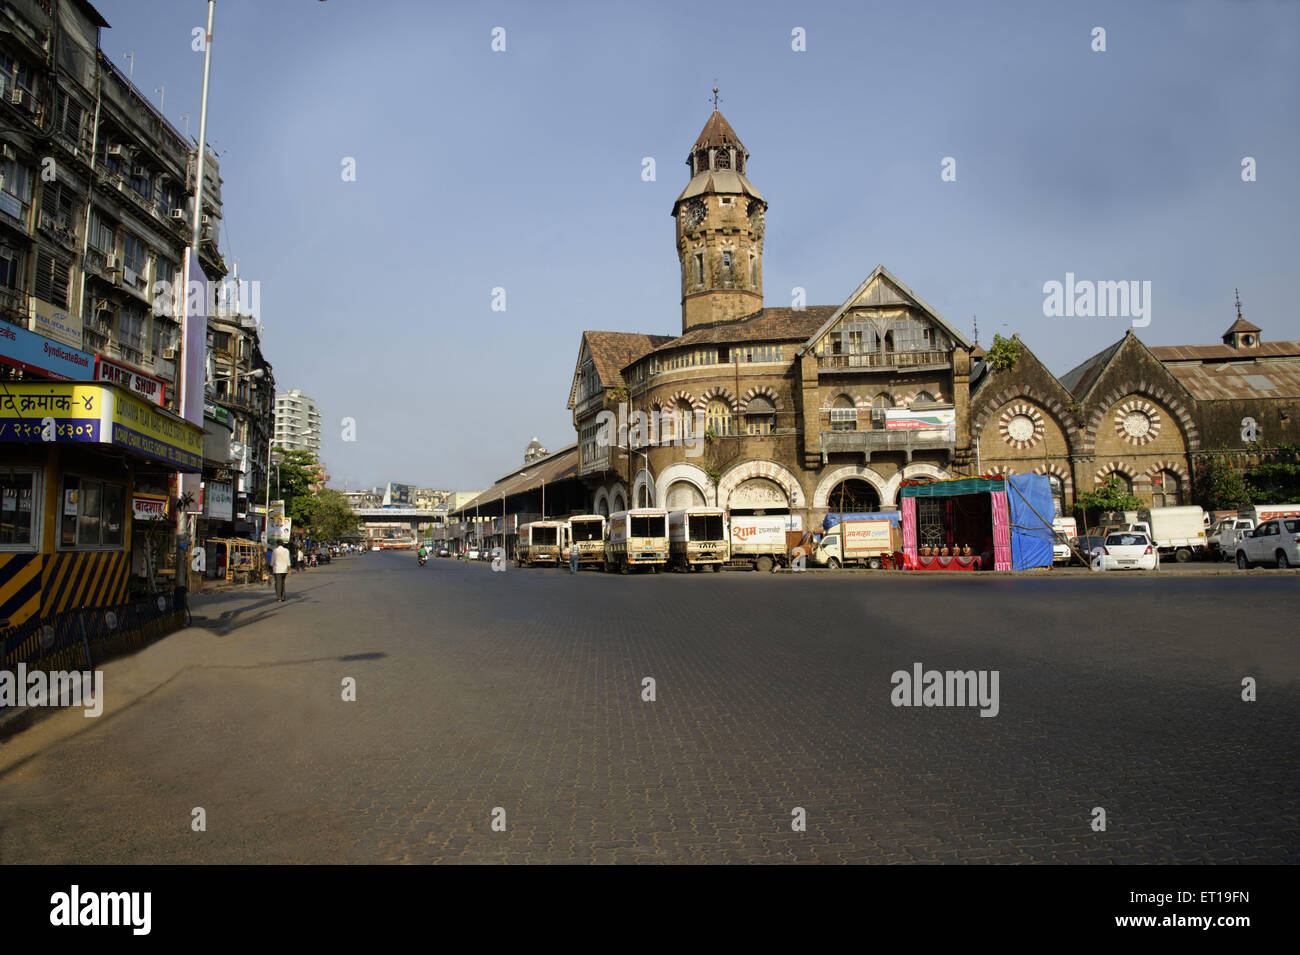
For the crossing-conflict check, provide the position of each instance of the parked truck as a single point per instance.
(697, 538)
(539, 543)
(586, 532)
(1178, 532)
(1223, 535)
(859, 542)
(637, 538)
(758, 541)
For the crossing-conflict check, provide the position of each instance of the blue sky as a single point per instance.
(522, 169)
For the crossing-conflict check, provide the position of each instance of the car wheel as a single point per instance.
(1242, 562)
(1282, 562)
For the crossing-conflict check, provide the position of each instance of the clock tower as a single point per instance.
(719, 230)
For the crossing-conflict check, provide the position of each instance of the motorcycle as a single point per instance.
(422, 558)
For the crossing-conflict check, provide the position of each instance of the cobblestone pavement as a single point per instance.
(523, 690)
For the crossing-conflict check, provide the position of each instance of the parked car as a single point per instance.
(443, 552)
(473, 553)
(1275, 542)
(374, 547)
(1127, 550)
(1223, 536)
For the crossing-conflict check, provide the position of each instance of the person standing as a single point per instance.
(270, 557)
(573, 557)
(280, 567)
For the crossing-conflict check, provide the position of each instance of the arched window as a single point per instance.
(1122, 481)
(882, 400)
(844, 414)
(685, 418)
(1166, 490)
(760, 416)
(879, 406)
(718, 417)
(922, 397)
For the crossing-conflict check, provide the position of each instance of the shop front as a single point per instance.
(85, 487)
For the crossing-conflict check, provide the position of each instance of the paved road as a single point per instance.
(523, 691)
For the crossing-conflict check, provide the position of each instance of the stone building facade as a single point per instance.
(809, 410)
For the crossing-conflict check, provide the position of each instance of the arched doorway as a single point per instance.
(758, 496)
(683, 494)
(853, 496)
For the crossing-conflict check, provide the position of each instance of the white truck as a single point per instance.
(539, 543)
(1177, 532)
(858, 542)
(586, 532)
(758, 541)
(1223, 536)
(637, 538)
(697, 538)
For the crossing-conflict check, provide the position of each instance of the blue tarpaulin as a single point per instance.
(1029, 506)
(835, 517)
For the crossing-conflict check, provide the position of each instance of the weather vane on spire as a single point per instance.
(715, 98)
(976, 320)
(1237, 296)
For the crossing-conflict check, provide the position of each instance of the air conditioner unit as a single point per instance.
(877, 414)
(207, 221)
(170, 352)
(18, 97)
(140, 172)
(7, 152)
(117, 150)
(112, 262)
(178, 215)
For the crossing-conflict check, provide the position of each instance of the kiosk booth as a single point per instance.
(998, 522)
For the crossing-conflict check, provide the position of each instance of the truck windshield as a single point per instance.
(706, 527)
(647, 527)
(544, 535)
(586, 531)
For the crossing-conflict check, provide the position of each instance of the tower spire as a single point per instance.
(1237, 295)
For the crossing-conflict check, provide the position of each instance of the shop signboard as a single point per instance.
(146, 386)
(43, 356)
(219, 503)
(57, 323)
(904, 419)
(145, 507)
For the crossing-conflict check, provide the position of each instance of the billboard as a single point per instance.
(398, 495)
(902, 418)
(218, 501)
(43, 356)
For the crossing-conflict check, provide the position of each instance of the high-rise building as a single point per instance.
(297, 422)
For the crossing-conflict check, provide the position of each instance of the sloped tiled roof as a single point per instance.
(1219, 381)
(1174, 353)
(550, 470)
(1241, 325)
(768, 324)
(614, 351)
(1080, 379)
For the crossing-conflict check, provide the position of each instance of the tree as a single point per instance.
(1219, 486)
(329, 516)
(1276, 479)
(1003, 353)
(1111, 496)
(296, 475)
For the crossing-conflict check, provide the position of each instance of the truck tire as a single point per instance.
(833, 564)
(1183, 555)
(763, 565)
(623, 568)
(717, 568)
(875, 563)
(1282, 562)
(1242, 562)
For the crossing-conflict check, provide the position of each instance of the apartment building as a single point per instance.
(297, 422)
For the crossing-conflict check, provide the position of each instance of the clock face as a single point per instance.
(693, 213)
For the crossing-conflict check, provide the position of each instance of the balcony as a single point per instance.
(904, 440)
(866, 361)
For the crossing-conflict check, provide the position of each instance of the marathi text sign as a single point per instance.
(50, 412)
(144, 508)
(146, 430)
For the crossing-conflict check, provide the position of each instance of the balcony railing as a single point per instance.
(905, 440)
(895, 359)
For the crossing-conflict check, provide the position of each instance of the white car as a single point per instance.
(374, 547)
(473, 553)
(1126, 550)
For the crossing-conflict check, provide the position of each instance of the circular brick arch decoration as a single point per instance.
(1170, 402)
(1021, 426)
(1137, 421)
(1044, 403)
(717, 391)
(767, 392)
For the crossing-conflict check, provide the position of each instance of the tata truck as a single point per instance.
(697, 539)
(758, 541)
(637, 538)
(586, 532)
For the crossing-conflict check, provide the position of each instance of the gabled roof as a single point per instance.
(1176, 353)
(888, 291)
(1080, 379)
(1221, 381)
(611, 352)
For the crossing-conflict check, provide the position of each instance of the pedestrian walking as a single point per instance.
(270, 558)
(280, 567)
(302, 558)
(573, 558)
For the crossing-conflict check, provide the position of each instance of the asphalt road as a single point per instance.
(519, 696)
